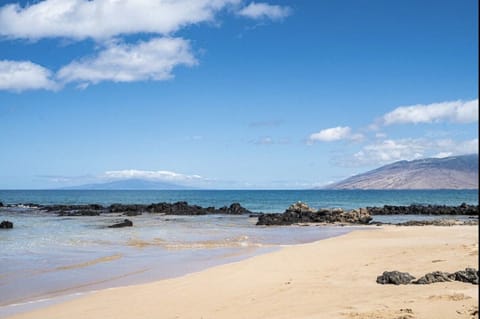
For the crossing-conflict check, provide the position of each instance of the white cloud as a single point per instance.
(453, 111)
(150, 60)
(266, 140)
(335, 134)
(443, 154)
(390, 150)
(101, 19)
(150, 175)
(24, 75)
(263, 10)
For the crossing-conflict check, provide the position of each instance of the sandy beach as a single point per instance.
(332, 278)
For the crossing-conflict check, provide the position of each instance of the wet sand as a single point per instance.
(331, 278)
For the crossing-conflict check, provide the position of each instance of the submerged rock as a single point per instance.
(125, 223)
(6, 224)
(395, 278)
(436, 276)
(1, 204)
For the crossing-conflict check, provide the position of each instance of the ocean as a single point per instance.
(46, 257)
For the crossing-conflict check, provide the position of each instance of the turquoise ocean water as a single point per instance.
(46, 256)
(255, 200)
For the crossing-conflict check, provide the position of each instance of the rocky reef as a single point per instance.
(178, 208)
(463, 209)
(302, 213)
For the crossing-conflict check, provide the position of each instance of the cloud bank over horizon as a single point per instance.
(381, 149)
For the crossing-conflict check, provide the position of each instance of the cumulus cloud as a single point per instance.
(453, 111)
(390, 150)
(24, 75)
(335, 134)
(118, 62)
(107, 21)
(101, 19)
(263, 10)
(150, 175)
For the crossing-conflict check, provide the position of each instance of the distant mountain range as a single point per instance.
(130, 184)
(455, 172)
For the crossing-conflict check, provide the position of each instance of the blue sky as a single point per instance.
(232, 93)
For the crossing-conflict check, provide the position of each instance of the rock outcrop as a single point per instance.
(6, 224)
(395, 278)
(302, 213)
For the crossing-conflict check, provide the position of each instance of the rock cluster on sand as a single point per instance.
(469, 275)
(436, 276)
(6, 224)
(302, 213)
(178, 208)
(463, 209)
(395, 278)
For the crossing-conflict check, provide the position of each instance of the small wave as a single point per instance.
(91, 262)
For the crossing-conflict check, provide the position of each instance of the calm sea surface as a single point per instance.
(46, 256)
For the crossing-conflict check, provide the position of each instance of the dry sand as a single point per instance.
(333, 278)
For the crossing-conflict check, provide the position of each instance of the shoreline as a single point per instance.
(227, 255)
(333, 277)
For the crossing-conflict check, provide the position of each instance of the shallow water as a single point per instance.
(47, 256)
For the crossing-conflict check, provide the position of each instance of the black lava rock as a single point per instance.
(301, 213)
(436, 276)
(125, 223)
(395, 278)
(468, 275)
(6, 224)
(463, 209)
